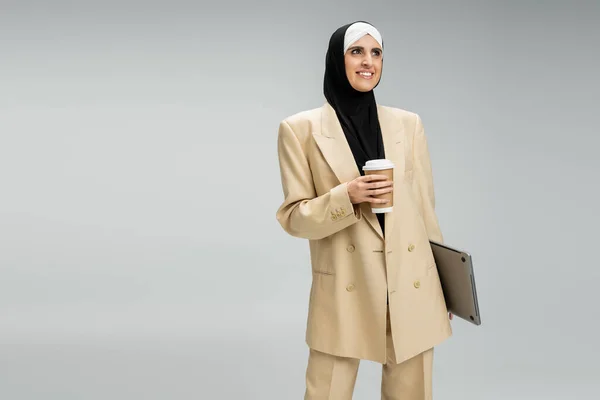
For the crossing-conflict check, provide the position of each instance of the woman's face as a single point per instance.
(363, 61)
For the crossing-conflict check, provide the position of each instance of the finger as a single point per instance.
(379, 184)
(377, 201)
(377, 192)
(374, 177)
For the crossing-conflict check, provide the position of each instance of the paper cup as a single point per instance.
(381, 167)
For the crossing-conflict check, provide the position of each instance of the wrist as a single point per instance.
(348, 191)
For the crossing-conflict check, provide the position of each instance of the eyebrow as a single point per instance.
(362, 48)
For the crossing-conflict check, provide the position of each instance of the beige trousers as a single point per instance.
(329, 377)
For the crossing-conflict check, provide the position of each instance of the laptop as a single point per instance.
(455, 268)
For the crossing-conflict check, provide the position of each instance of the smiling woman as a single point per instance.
(373, 295)
(350, 93)
(363, 62)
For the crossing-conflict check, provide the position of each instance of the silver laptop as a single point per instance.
(455, 268)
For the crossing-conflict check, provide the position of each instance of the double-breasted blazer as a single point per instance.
(354, 266)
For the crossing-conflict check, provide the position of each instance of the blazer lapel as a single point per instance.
(393, 143)
(336, 151)
(334, 146)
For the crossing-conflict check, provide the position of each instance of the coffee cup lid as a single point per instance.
(378, 164)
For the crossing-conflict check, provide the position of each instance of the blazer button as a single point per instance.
(350, 287)
(411, 247)
(417, 284)
(350, 248)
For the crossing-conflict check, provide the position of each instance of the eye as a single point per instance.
(356, 51)
(377, 53)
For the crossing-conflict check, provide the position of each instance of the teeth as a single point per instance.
(365, 73)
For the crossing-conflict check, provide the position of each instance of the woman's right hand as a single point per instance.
(363, 188)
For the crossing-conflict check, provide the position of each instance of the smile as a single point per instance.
(365, 75)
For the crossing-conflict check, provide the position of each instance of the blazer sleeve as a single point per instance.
(303, 214)
(424, 179)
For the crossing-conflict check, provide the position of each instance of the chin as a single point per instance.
(363, 88)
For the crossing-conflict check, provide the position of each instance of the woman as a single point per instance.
(376, 293)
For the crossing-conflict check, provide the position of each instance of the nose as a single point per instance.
(367, 61)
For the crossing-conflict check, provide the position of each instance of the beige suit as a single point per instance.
(353, 267)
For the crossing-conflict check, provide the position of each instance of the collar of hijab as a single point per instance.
(356, 111)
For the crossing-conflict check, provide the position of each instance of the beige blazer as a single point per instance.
(353, 267)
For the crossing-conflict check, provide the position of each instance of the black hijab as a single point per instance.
(356, 111)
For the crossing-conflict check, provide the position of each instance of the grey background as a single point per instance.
(140, 257)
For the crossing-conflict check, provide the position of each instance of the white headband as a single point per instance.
(357, 31)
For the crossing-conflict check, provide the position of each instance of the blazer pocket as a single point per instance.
(323, 268)
(322, 272)
(431, 269)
